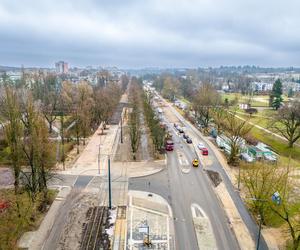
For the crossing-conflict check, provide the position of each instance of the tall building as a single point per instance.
(61, 67)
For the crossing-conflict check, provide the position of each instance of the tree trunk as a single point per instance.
(50, 127)
(62, 141)
(77, 138)
(296, 243)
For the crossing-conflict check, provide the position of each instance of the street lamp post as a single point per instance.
(259, 231)
(239, 178)
(277, 200)
(99, 154)
(109, 184)
(122, 127)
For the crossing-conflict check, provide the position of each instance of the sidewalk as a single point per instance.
(90, 162)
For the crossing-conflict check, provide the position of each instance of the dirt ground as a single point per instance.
(72, 156)
(72, 232)
(275, 237)
(66, 232)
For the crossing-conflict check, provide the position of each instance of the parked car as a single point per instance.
(189, 140)
(246, 157)
(271, 158)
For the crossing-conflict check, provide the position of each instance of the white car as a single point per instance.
(201, 145)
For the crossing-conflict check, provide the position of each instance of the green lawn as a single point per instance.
(256, 100)
(278, 145)
(184, 100)
(11, 226)
(262, 118)
(230, 96)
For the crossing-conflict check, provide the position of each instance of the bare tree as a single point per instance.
(218, 116)
(287, 122)
(205, 100)
(261, 181)
(44, 156)
(29, 117)
(50, 99)
(170, 87)
(134, 117)
(289, 211)
(124, 82)
(64, 108)
(13, 130)
(235, 129)
(81, 107)
(105, 101)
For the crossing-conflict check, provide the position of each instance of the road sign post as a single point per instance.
(276, 198)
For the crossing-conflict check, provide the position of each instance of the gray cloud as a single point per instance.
(150, 32)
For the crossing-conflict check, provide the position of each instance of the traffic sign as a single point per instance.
(276, 198)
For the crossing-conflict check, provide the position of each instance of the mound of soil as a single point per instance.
(214, 177)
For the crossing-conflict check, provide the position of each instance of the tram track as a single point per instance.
(94, 236)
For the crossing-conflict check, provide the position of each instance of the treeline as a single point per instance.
(140, 103)
(185, 84)
(27, 137)
(134, 115)
(157, 132)
(28, 112)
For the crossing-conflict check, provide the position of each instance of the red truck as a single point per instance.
(169, 145)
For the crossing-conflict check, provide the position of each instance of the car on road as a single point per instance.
(185, 136)
(180, 130)
(204, 151)
(189, 140)
(200, 145)
(169, 145)
(195, 163)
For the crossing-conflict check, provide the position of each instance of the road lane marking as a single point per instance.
(183, 162)
(203, 229)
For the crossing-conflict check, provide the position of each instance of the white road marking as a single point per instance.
(203, 228)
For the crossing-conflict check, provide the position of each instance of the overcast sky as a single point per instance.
(147, 33)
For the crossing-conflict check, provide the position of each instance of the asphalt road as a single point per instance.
(181, 190)
(216, 166)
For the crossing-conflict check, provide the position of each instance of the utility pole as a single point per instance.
(259, 231)
(99, 154)
(239, 178)
(109, 184)
(122, 127)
